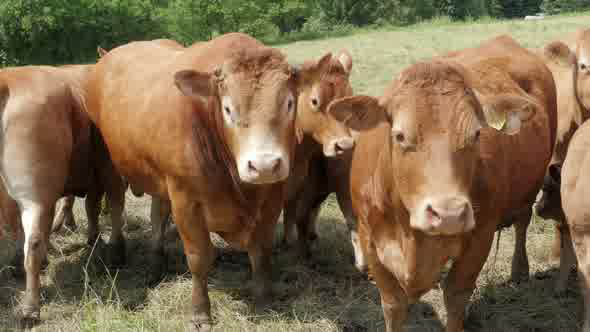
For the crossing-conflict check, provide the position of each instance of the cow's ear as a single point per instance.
(506, 112)
(194, 84)
(101, 51)
(346, 60)
(315, 69)
(560, 53)
(358, 112)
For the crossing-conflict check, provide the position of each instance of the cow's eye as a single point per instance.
(583, 66)
(402, 140)
(477, 135)
(315, 102)
(227, 110)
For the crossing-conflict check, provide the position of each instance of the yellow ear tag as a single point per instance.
(496, 120)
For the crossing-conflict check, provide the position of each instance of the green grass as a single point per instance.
(326, 293)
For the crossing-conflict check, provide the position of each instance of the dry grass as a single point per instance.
(326, 293)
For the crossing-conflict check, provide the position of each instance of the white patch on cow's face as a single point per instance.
(229, 111)
(263, 158)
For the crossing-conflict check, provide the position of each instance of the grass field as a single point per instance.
(326, 293)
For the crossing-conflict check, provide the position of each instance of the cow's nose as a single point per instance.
(265, 164)
(449, 216)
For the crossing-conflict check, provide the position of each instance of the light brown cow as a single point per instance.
(571, 70)
(318, 134)
(575, 198)
(49, 149)
(434, 173)
(209, 132)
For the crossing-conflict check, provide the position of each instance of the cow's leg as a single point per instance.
(520, 261)
(159, 213)
(460, 282)
(36, 219)
(193, 231)
(260, 255)
(581, 244)
(92, 206)
(116, 199)
(567, 259)
(557, 244)
(394, 302)
(19, 256)
(65, 214)
(289, 222)
(345, 204)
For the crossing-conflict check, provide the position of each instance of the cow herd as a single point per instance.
(224, 135)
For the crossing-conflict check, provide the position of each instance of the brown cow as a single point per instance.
(65, 214)
(49, 149)
(317, 131)
(209, 132)
(434, 173)
(575, 183)
(571, 71)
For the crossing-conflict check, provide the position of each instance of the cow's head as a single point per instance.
(548, 204)
(436, 120)
(254, 94)
(321, 82)
(579, 60)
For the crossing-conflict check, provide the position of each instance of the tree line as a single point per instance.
(68, 31)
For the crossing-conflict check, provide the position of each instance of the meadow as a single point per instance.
(325, 293)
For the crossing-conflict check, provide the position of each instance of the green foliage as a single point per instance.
(67, 31)
(561, 6)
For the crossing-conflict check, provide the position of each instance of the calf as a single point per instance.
(319, 135)
(49, 149)
(209, 132)
(452, 147)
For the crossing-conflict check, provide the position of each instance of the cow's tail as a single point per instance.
(497, 248)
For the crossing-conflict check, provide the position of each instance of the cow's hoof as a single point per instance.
(262, 304)
(117, 255)
(95, 242)
(159, 265)
(200, 325)
(29, 315)
(519, 277)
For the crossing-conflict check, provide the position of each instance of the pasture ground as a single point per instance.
(326, 293)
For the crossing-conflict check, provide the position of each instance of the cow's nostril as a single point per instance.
(314, 101)
(338, 148)
(276, 165)
(430, 211)
(251, 166)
